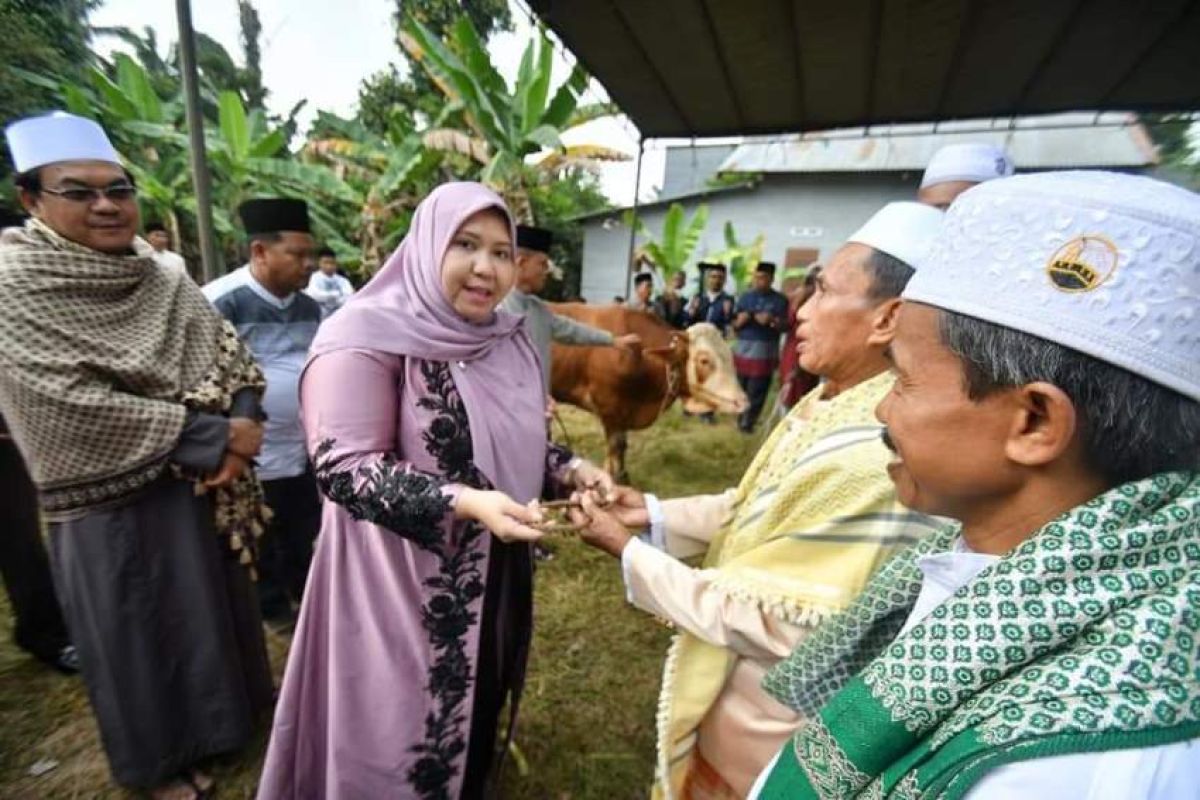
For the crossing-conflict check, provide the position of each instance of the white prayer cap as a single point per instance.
(1103, 263)
(38, 141)
(967, 162)
(903, 230)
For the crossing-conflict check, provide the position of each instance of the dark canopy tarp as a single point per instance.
(724, 67)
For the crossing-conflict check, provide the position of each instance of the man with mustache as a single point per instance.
(1047, 397)
(812, 519)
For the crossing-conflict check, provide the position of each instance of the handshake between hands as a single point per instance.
(598, 509)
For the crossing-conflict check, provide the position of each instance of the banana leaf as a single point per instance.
(233, 125)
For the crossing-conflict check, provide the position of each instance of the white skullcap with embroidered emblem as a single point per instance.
(967, 162)
(903, 230)
(37, 141)
(1103, 263)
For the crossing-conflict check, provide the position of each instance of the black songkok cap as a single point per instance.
(154, 225)
(644, 277)
(765, 266)
(274, 215)
(531, 238)
(705, 266)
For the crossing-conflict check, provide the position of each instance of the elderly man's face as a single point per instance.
(533, 267)
(835, 324)
(70, 204)
(949, 449)
(715, 280)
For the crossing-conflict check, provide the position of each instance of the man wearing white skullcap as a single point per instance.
(796, 541)
(137, 412)
(1047, 397)
(957, 167)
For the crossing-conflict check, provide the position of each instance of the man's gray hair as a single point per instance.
(1131, 428)
(889, 275)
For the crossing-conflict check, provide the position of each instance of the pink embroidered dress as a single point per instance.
(415, 626)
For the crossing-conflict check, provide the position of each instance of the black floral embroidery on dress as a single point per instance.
(412, 504)
(386, 494)
(452, 608)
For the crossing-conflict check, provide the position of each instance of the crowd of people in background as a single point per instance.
(964, 557)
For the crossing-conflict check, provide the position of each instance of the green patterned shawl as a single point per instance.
(1085, 638)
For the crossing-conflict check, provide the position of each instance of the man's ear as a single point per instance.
(1044, 424)
(883, 322)
(29, 201)
(258, 250)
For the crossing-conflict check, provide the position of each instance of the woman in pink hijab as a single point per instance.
(423, 408)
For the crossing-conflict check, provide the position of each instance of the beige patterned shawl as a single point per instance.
(100, 358)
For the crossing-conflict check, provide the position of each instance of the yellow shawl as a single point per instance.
(815, 515)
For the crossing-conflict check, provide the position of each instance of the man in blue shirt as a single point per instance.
(712, 304)
(277, 321)
(759, 321)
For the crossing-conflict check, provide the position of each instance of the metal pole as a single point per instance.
(637, 189)
(209, 255)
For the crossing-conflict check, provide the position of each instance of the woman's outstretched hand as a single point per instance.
(597, 527)
(507, 519)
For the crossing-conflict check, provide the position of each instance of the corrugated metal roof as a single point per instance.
(727, 67)
(1061, 141)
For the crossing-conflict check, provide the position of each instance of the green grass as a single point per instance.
(587, 718)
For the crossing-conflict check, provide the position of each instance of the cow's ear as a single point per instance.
(883, 322)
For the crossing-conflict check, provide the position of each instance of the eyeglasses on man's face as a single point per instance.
(117, 192)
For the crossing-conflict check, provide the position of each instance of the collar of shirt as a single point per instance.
(264, 293)
(944, 574)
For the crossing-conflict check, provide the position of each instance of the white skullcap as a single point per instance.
(903, 230)
(1103, 263)
(967, 162)
(38, 141)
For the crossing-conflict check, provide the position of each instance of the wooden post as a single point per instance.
(637, 188)
(209, 255)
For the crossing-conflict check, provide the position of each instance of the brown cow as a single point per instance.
(628, 389)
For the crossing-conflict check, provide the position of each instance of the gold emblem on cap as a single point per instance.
(1082, 264)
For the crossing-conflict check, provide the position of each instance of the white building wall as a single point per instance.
(814, 211)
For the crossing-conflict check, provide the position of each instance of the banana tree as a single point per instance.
(247, 155)
(671, 251)
(740, 258)
(390, 174)
(506, 126)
